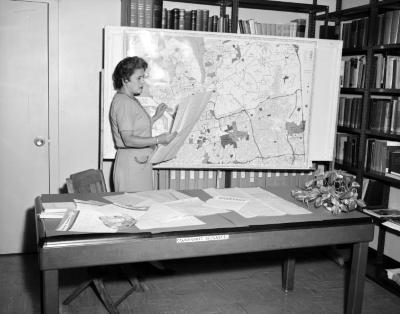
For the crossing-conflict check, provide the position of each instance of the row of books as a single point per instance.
(384, 115)
(195, 20)
(386, 71)
(184, 179)
(388, 28)
(352, 72)
(347, 149)
(349, 113)
(355, 33)
(383, 157)
(145, 13)
(295, 28)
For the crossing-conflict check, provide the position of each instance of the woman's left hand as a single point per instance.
(160, 111)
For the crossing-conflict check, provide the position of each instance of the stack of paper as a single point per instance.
(56, 210)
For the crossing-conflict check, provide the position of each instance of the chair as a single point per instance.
(92, 181)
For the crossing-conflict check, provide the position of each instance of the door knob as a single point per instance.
(39, 141)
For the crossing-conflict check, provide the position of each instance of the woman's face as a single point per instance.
(136, 82)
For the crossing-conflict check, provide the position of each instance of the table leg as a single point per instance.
(49, 291)
(357, 278)
(288, 268)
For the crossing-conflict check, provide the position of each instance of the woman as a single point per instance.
(131, 128)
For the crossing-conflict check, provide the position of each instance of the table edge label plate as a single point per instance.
(203, 238)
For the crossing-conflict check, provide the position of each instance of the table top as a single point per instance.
(227, 222)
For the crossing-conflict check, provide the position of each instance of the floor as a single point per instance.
(229, 284)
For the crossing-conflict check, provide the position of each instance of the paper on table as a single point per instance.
(104, 219)
(275, 201)
(162, 216)
(162, 196)
(227, 202)
(271, 200)
(194, 207)
(130, 201)
(253, 208)
(189, 111)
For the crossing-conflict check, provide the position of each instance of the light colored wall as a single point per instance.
(80, 51)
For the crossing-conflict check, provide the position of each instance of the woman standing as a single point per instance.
(131, 128)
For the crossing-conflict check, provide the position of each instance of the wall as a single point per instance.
(80, 53)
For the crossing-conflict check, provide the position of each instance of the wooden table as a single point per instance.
(61, 251)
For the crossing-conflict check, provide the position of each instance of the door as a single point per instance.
(24, 120)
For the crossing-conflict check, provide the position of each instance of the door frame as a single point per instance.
(53, 92)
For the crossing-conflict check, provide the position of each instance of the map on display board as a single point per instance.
(258, 111)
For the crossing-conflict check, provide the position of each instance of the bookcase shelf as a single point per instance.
(357, 91)
(354, 51)
(382, 136)
(386, 179)
(385, 91)
(344, 129)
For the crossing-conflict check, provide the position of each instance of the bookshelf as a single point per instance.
(379, 93)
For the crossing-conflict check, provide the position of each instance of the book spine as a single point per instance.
(157, 13)
(206, 15)
(141, 10)
(134, 13)
(199, 20)
(175, 17)
(182, 13)
(148, 13)
(193, 20)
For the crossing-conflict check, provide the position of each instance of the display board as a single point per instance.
(266, 98)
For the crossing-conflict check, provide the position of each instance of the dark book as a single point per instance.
(170, 20)
(394, 162)
(210, 24)
(175, 17)
(374, 193)
(353, 33)
(141, 4)
(193, 20)
(388, 17)
(395, 126)
(133, 13)
(187, 22)
(328, 32)
(369, 154)
(206, 15)
(199, 20)
(164, 20)
(300, 27)
(157, 13)
(388, 107)
(379, 35)
(148, 13)
(394, 29)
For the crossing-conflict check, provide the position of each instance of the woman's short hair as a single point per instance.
(125, 69)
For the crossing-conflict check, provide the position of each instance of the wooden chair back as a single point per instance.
(88, 181)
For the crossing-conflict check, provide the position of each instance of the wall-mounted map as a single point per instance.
(259, 113)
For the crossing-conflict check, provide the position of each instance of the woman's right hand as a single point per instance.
(166, 138)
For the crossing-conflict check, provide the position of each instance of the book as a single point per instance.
(133, 8)
(394, 29)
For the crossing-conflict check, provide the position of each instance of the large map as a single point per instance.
(258, 114)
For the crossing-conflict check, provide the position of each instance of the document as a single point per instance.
(130, 201)
(227, 202)
(259, 202)
(195, 207)
(104, 219)
(162, 196)
(162, 216)
(188, 113)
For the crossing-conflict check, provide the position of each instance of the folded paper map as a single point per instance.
(188, 112)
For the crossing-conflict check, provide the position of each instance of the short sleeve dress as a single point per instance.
(132, 171)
